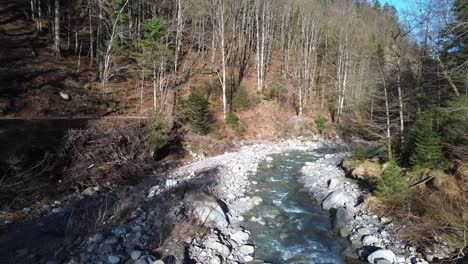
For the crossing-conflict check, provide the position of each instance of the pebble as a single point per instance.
(113, 259)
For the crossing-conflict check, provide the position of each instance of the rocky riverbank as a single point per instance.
(200, 203)
(373, 238)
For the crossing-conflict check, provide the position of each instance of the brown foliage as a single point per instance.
(101, 157)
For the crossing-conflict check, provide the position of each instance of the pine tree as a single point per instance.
(425, 148)
(376, 5)
(198, 112)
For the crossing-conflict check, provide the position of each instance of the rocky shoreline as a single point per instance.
(203, 203)
(372, 238)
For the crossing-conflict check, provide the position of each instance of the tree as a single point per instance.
(198, 112)
(424, 146)
(376, 5)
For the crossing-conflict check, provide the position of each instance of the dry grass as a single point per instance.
(102, 157)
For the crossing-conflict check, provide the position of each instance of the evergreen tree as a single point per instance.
(376, 5)
(198, 112)
(424, 147)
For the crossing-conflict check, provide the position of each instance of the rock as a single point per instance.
(335, 199)
(257, 200)
(247, 250)
(363, 231)
(171, 183)
(206, 209)
(333, 183)
(153, 191)
(65, 96)
(220, 248)
(146, 260)
(158, 262)
(341, 222)
(89, 191)
(113, 259)
(136, 254)
(369, 240)
(382, 254)
(281, 218)
(269, 159)
(240, 237)
(248, 258)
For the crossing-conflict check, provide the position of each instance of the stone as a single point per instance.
(341, 222)
(136, 254)
(269, 159)
(248, 258)
(220, 248)
(240, 237)
(206, 209)
(113, 259)
(89, 191)
(153, 191)
(247, 250)
(335, 199)
(382, 254)
(158, 262)
(281, 218)
(65, 96)
(369, 240)
(171, 183)
(148, 259)
(332, 183)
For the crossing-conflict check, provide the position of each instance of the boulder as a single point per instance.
(341, 222)
(334, 200)
(170, 183)
(240, 237)
(382, 255)
(247, 250)
(223, 250)
(333, 183)
(369, 240)
(206, 209)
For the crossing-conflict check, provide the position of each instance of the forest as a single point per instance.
(172, 79)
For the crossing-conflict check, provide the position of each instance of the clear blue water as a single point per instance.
(296, 229)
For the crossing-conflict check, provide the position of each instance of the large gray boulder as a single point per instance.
(382, 255)
(206, 209)
(335, 199)
(341, 222)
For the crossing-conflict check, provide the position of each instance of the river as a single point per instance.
(293, 227)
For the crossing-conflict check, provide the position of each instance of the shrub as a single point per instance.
(423, 147)
(393, 182)
(234, 123)
(197, 111)
(277, 91)
(242, 100)
(158, 131)
(320, 122)
(361, 154)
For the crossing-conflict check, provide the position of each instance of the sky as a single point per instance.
(400, 4)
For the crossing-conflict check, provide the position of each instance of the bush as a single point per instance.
(423, 147)
(234, 123)
(197, 111)
(277, 91)
(320, 122)
(158, 132)
(361, 154)
(393, 182)
(242, 100)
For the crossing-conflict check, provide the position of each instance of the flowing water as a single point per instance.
(296, 229)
